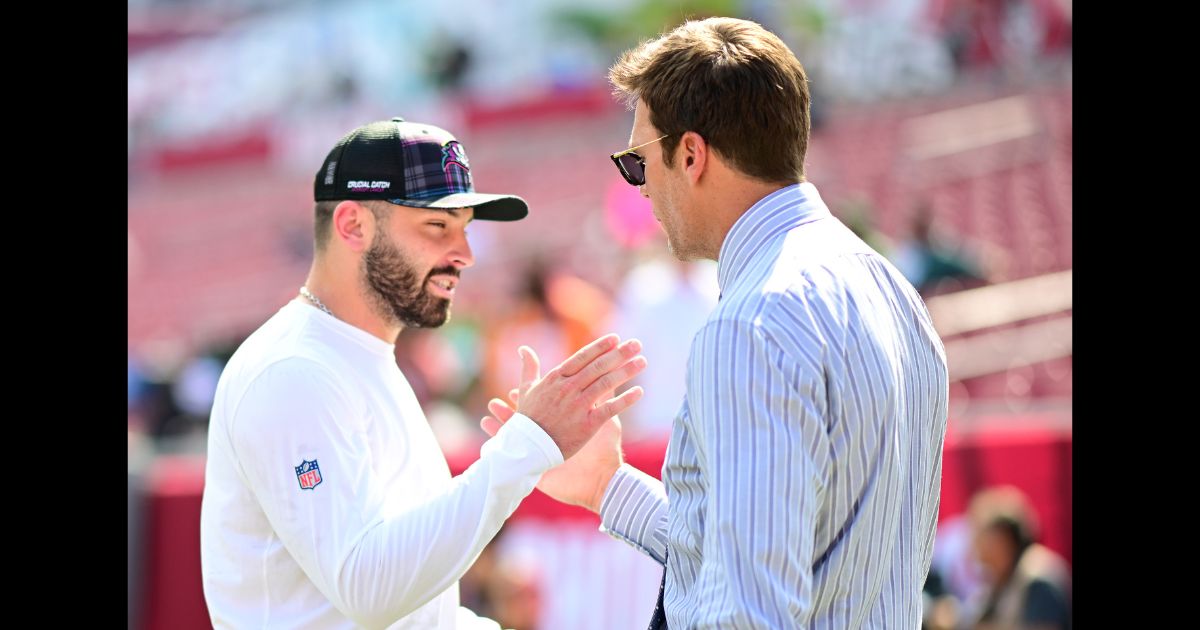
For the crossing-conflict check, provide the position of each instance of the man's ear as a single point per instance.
(693, 151)
(354, 225)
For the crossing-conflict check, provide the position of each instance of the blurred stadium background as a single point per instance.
(942, 133)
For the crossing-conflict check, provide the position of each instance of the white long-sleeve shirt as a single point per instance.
(327, 502)
(802, 478)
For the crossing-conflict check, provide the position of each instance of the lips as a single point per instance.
(443, 286)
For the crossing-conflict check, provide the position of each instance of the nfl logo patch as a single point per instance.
(308, 474)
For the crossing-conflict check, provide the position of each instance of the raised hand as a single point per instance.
(583, 478)
(572, 401)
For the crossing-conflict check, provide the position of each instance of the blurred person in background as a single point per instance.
(933, 262)
(327, 502)
(516, 591)
(1028, 586)
(953, 573)
(667, 301)
(540, 320)
(859, 214)
(809, 439)
(505, 585)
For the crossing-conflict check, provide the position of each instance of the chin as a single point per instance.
(440, 321)
(680, 252)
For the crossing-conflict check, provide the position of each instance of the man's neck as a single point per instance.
(346, 302)
(731, 203)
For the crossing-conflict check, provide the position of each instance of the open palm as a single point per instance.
(582, 479)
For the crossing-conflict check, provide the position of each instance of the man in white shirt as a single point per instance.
(327, 503)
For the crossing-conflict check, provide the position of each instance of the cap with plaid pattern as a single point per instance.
(408, 164)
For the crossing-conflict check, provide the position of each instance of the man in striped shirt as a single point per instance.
(802, 477)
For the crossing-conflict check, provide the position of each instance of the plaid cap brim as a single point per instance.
(487, 207)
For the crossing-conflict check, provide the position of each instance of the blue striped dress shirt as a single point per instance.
(802, 478)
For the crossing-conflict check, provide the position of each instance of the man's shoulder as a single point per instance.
(284, 344)
(273, 363)
(781, 318)
(1041, 563)
(269, 394)
(777, 298)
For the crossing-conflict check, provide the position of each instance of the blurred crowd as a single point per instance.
(990, 572)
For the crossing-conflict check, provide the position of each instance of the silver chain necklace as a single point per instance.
(312, 298)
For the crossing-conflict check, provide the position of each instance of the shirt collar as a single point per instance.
(770, 216)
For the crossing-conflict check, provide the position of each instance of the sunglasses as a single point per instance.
(632, 165)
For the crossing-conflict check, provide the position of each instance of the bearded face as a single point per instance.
(399, 290)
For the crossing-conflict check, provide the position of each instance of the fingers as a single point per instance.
(587, 354)
(514, 396)
(606, 362)
(490, 425)
(501, 413)
(619, 404)
(530, 366)
(615, 378)
(500, 409)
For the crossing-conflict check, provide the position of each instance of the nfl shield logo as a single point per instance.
(308, 474)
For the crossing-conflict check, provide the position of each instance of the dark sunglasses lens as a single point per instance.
(631, 168)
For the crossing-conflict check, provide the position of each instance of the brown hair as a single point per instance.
(731, 81)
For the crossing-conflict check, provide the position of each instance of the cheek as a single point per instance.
(423, 249)
(670, 199)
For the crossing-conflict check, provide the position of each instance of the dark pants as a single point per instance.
(659, 620)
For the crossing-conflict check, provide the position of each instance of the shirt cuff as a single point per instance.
(529, 430)
(634, 509)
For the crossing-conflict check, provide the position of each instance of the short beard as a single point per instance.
(394, 291)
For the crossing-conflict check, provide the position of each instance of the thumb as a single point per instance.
(530, 367)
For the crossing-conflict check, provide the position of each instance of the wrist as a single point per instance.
(602, 483)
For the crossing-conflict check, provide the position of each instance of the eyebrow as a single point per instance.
(453, 212)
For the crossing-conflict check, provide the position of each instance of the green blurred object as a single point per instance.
(617, 31)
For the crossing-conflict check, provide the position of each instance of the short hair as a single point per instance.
(731, 81)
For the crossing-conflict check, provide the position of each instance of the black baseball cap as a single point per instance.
(408, 164)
